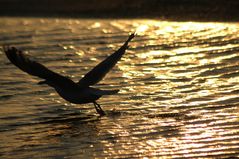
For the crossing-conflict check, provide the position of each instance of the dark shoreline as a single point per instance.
(174, 10)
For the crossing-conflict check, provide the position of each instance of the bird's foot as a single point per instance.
(101, 112)
(130, 38)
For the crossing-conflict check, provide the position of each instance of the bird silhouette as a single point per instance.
(79, 92)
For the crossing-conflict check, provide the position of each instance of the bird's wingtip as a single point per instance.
(9, 49)
(5, 47)
(131, 36)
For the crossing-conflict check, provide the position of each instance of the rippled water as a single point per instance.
(179, 90)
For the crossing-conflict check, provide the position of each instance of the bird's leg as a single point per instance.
(99, 109)
(96, 108)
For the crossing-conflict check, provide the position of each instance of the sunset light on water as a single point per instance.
(178, 86)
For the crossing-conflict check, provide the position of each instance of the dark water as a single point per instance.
(179, 90)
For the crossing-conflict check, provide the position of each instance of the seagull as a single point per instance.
(80, 92)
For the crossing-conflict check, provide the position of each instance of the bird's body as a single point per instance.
(77, 93)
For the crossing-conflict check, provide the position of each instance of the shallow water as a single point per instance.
(179, 90)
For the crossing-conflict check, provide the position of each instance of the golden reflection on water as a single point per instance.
(193, 56)
(186, 68)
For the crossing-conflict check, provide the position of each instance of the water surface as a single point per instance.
(178, 90)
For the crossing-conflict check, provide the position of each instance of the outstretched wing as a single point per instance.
(100, 70)
(18, 58)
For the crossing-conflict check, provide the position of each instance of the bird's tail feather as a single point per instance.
(108, 92)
